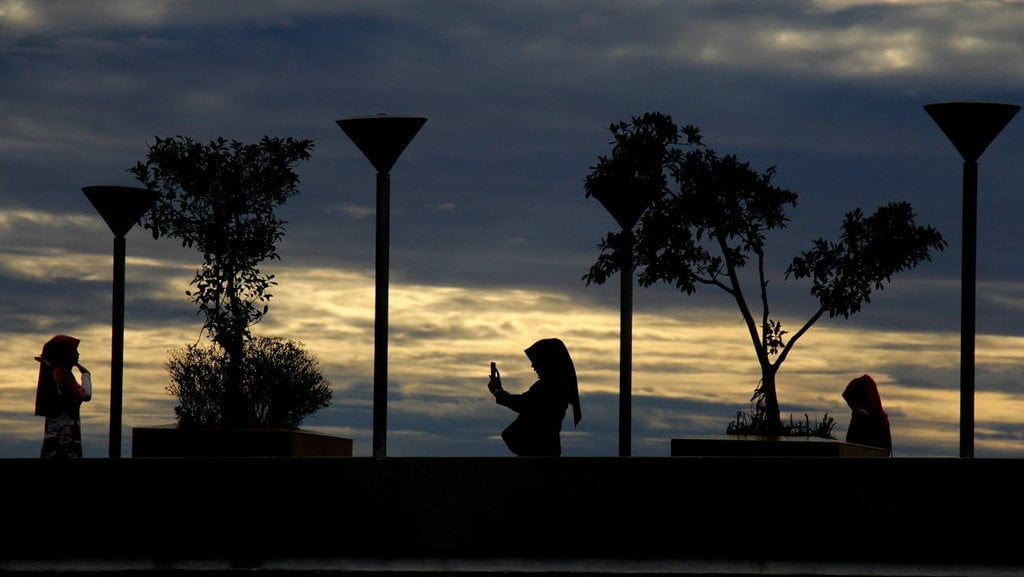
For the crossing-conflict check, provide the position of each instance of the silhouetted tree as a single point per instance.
(220, 198)
(710, 218)
(281, 385)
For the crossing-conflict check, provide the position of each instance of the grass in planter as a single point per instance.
(756, 422)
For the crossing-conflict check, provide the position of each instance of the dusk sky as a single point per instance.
(491, 230)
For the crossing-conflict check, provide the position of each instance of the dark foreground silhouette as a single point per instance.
(869, 423)
(536, 431)
(59, 398)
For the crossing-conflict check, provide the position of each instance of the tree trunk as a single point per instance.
(771, 399)
(234, 406)
(236, 413)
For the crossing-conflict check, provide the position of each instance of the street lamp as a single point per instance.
(382, 139)
(626, 209)
(971, 127)
(121, 207)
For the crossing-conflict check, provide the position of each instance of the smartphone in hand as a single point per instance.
(494, 385)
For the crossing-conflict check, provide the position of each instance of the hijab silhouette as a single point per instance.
(537, 429)
(869, 423)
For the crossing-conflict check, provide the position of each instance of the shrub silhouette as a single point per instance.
(281, 384)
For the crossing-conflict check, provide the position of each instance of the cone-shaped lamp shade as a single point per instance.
(971, 126)
(624, 208)
(382, 138)
(120, 206)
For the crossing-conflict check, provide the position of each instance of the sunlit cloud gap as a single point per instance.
(442, 339)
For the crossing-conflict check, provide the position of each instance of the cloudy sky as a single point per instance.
(491, 230)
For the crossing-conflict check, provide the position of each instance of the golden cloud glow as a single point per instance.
(857, 50)
(10, 219)
(16, 13)
(835, 5)
(441, 340)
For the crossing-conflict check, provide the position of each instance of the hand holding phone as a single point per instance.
(494, 384)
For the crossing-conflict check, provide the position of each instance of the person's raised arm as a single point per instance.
(86, 382)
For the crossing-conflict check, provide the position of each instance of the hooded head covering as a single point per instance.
(60, 352)
(861, 394)
(869, 423)
(553, 358)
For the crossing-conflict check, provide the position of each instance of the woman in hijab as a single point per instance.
(59, 398)
(536, 430)
(869, 423)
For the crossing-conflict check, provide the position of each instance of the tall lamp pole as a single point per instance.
(382, 139)
(971, 127)
(121, 207)
(626, 209)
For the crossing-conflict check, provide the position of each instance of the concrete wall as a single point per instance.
(685, 508)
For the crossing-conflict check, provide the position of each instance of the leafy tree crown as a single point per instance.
(220, 198)
(703, 217)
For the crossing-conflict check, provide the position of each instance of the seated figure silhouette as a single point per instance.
(536, 430)
(869, 423)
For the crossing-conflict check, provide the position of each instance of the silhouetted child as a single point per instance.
(59, 398)
(537, 429)
(869, 423)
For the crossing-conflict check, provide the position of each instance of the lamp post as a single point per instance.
(121, 207)
(971, 127)
(626, 209)
(382, 139)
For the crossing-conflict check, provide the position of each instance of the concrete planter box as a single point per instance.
(174, 441)
(764, 446)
